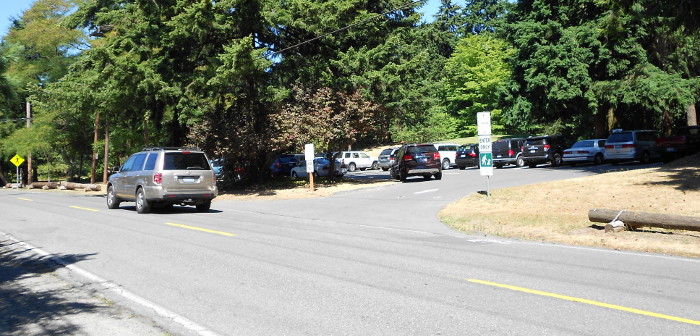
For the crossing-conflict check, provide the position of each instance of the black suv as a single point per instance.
(544, 149)
(467, 156)
(416, 160)
(508, 151)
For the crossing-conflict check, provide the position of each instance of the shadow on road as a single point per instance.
(27, 304)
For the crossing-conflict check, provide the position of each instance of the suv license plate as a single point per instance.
(189, 179)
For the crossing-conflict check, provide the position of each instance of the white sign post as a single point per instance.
(309, 157)
(483, 125)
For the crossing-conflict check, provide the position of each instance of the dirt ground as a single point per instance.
(558, 211)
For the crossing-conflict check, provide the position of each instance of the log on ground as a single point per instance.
(636, 220)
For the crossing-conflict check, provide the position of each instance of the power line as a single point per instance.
(349, 26)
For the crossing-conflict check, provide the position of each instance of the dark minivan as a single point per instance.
(416, 160)
(508, 151)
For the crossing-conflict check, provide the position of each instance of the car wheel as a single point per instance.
(375, 165)
(385, 169)
(598, 159)
(438, 176)
(352, 167)
(646, 158)
(204, 207)
(519, 161)
(446, 164)
(112, 200)
(556, 160)
(427, 177)
(402, 175)
(142, 205)
(532, 165)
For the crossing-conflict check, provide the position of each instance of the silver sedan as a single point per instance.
(583, 151)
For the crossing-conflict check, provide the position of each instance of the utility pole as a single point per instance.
(30, 175)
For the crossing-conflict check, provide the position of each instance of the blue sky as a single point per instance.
(14, 8)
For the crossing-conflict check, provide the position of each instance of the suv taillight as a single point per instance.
(407, 157)
(547, 147)
(157, 178)
(436, 156)
(511, 152)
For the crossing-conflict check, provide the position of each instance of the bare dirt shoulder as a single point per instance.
(558, 211)
(322, 188)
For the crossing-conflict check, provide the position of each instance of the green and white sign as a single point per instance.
(483, 122)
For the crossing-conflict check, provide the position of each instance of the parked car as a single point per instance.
(508, 151)
(591, 150)
(386, 158)
(637, 145)
(684, 141)
(162, 177)
(357, 160)
(467, 156)
(284, 163)
(217, 166)
(322, 167)
(417, 160)
(543, 149)
(448, 153)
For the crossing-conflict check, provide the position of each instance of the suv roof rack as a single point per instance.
(170, 148)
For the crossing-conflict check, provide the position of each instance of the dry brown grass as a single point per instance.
(558, 211)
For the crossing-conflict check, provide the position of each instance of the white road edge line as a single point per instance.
(425, 191)
(112, 287)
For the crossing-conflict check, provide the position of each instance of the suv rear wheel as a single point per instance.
(438, 176)
(204, 207)
(142, 205)
(556, 160)
(519, 161)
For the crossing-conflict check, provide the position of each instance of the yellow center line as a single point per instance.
(81, 208)
(26, 199)
(595, 303)
(201, 229)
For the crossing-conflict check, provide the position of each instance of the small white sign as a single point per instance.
(309, 157)
(485, 144)
(483, 123)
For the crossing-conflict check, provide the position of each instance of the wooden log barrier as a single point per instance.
(645, 219)
(44, 185)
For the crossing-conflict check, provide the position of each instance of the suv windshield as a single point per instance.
(185, 161)
(386, 151)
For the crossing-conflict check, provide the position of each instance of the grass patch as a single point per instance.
(557, 211)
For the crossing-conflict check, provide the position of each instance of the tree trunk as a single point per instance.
(645, 219)
(692, 115)
(612, 119)
(94, 150)
(105, 173)
(600, 127)
(667, 123)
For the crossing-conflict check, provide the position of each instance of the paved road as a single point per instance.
(370, 262)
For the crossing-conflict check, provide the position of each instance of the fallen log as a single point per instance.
(645, 219)
(44, 185)
(92, 187)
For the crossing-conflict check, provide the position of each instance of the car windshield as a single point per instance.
(620, 137)
(584, 143)
(186, 161)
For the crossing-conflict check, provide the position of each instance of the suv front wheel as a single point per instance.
(446, 164)
(556, 160)
(112, 200)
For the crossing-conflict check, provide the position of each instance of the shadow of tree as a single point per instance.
(30, 304)
(684, 179)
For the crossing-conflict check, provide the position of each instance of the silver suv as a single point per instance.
(162, 177)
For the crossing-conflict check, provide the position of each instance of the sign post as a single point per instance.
(309, 157)
(17, 160)
(483, 124)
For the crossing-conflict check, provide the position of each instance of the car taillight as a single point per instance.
(472, 154)
(511, 152)
(628, 146)
(436, 156)
(157, 178)
(522, 149)
(581, 152)
(609, 146)
(407, 157)
(547, 147)
(567, 152)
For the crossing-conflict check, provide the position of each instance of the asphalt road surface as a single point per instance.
(375, 261)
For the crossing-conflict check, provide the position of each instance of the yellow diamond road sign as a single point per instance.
(17, 160)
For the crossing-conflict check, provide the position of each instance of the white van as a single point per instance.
(357, 160)
(448, 153)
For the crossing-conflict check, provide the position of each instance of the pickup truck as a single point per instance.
(685, 141)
